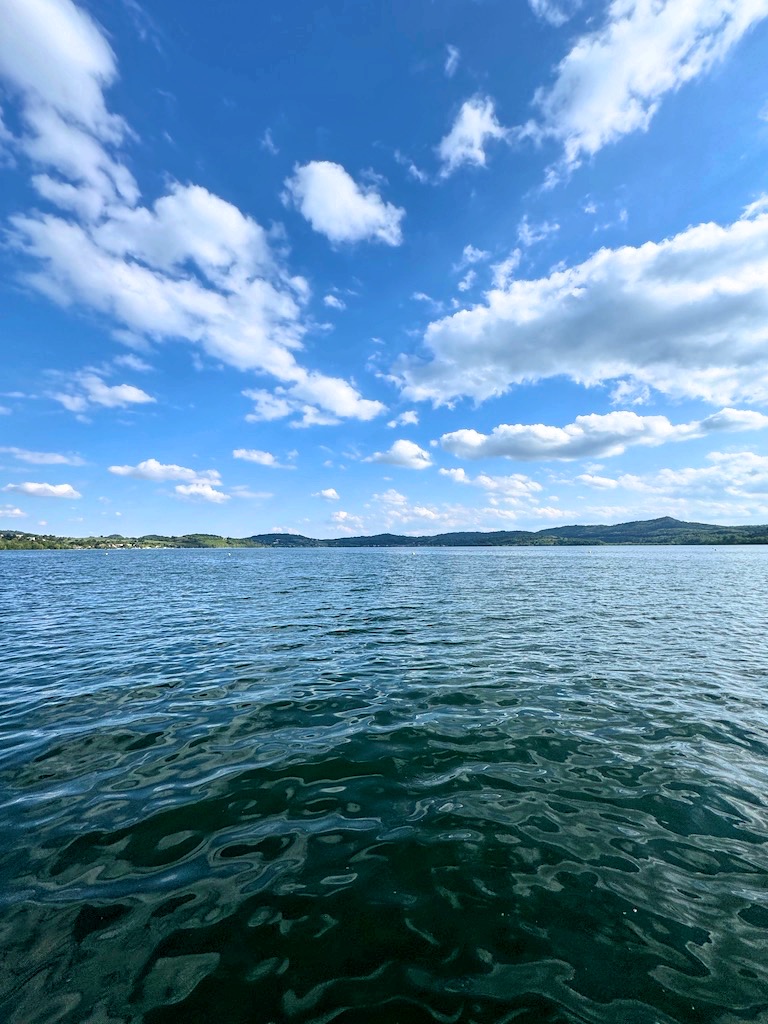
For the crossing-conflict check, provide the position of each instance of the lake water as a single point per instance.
(384, 786)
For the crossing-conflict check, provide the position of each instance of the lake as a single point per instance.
(384, 786)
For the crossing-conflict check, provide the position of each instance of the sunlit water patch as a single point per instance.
(384, 786)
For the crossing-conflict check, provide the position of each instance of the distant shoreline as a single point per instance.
(664, 531)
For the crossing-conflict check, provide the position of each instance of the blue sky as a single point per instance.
(415, 267)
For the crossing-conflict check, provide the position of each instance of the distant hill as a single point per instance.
(651, 531)
(665, 530)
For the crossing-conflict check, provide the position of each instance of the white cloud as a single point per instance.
(57, 62)
(312, 393)
(38, 490)
(393, 510)
(613, 79)
(413, 171)
(334, 302)
(347, 522)
(504, 271)
(42, 458)
(339, 208)
(423, 297)
(403, 453)
(630, 392)
(470, 254)
(201, 490)
(760, 205)
(408, 418)
(475, 126)
(268, 143)
(687, 316)
(467, 281)
(241, 491)
(329, 493)
(151, 469)
(515, 487)
(267, 406)
(531, 234)
(592, 435)
(88, 389)
(132, 362)
(741, 475)
(11, 512)
(261, 458)
(453, 56)
(593, 480)
(555, 12)
(189, 266)
(396, 510)
(190, 224)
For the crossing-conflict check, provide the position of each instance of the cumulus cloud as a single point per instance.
(397, 510)
(267, 405)
(341, 209)
(316, 400)
(408, 418)
(393, 510)
(39, 490)
(687, 316)
(515, 487)
(189, 265)
(158, 472)
(592, 435)
(86, 390)
(201, 490)
(57, 63)
(11, 512)
(334, 302)
(475, 126)
(735, 474)
(329, 493)
(261, 458)
(614, 78)
(403, 453)
(347, 522)
(42, 458)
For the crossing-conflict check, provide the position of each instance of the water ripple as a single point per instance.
(377, 786)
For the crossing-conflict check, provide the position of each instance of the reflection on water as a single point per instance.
(372, 786)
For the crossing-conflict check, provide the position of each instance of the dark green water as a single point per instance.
(382, 786)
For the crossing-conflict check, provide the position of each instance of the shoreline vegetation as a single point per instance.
(666, 530)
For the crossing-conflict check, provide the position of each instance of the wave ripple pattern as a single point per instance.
(388, 787)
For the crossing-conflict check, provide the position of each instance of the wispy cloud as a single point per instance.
(42, 458)
(43, 490)
(614, 78)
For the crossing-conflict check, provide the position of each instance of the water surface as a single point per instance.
(387, 786)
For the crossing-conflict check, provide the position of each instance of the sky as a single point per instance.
(415, 267)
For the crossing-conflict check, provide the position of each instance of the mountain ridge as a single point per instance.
(664, 530)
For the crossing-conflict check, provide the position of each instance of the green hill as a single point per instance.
(651, 531)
